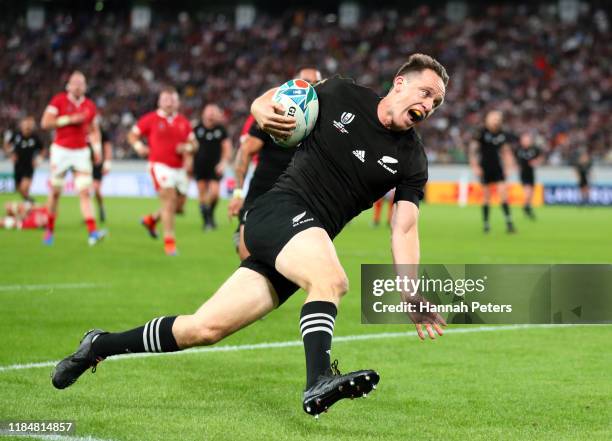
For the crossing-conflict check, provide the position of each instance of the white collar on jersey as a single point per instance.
(163, 114)
(73, 100)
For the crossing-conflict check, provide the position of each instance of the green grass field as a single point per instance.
(550, 383)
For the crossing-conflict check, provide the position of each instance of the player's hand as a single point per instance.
(477, 171)
(432, 321)
(220, 168)
(97, 159)
(234, 207)
(78, 118)
(270, 117)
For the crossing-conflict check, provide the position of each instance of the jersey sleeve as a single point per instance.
(55, 104)
(92, 111)
(144, 124)
(188, 129)
(412, 186)
(224, 134)
(256, 132)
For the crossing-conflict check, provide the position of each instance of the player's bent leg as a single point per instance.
(244, 298)
(83, 182)
(203, 200)
(309, 259)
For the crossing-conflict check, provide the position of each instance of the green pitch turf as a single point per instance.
(504, 384)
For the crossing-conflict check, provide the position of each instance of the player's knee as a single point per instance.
(334, 284)
(206, 333)
(83, 182)
(57, 183)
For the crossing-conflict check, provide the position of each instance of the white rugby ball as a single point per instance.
(300, 101)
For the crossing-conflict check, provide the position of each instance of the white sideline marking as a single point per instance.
(292, 343)
(57, 437)
(50, 286)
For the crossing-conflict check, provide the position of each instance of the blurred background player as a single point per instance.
(378, 206)
(24, 216)
(528, 156)
(272, 162)
(583, 167)
(23, 147)
(73, 117)
(170, 139)
(99, 170)
(488, 151)
(213, 154)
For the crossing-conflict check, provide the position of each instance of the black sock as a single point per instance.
(155, 336)
(317, 327)
(506, 210)
(204, 212)
(485, 213)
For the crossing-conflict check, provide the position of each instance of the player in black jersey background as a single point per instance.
(528, 156)
(491, 159)
(272, 161)
(361, 147)
(23, 147)
(211, 158)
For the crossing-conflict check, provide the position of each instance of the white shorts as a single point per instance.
(169, 177)
(63, 159)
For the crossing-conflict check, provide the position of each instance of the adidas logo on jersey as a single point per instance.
(359, 154)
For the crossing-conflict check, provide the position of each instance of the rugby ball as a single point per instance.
(300, 101)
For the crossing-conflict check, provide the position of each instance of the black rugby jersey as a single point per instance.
(350, 159)
(25, 147)
(273, 160)
(490, 148)
(524, 155)
(209, 140)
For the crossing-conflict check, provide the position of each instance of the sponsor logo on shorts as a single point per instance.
(345, 119)
(359, 154)
(388, 160)
(299, 219)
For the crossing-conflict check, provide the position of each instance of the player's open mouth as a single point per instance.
(416, 115)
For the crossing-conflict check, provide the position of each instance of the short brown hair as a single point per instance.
(420, 62)
(168, 89)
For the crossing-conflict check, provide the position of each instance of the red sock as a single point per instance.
(169, 244)
(91, 224)
(51, 221)
(377, 210)
(150, 221)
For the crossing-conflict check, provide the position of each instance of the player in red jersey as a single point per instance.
(73, 117)
(170, 139)
(24, 216)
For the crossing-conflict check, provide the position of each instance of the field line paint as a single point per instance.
(293, 343)
(50, 286)
(55, 437)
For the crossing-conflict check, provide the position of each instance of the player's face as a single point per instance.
(211, 114)
(525, 140)
(77, 86)
(309, 75)
(493, 120)
(27, 125)
(168, 102)
(414, 97)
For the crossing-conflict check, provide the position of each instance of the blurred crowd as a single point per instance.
(550, 78)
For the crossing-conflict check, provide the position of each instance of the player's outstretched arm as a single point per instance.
(406, 255)
(269, 116)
